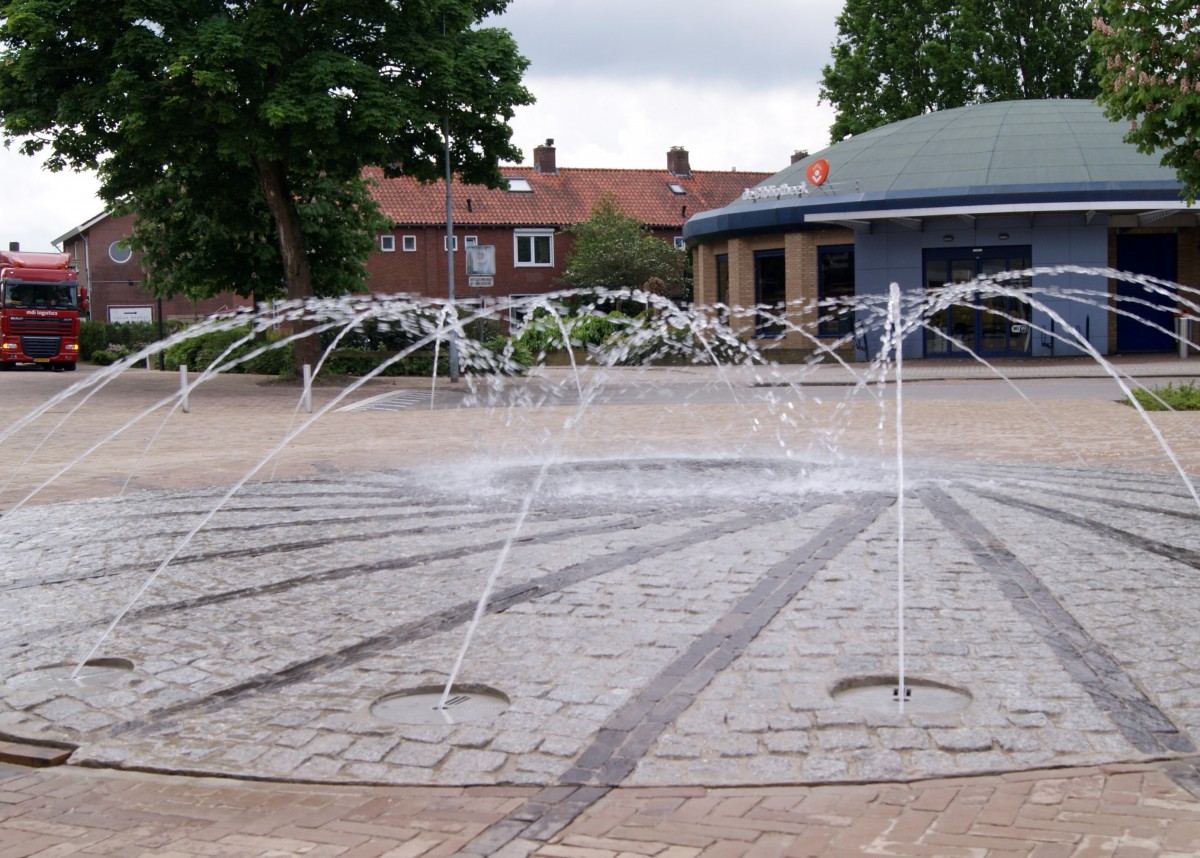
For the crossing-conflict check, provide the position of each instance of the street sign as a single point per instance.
(130, 314)
(481, 260)
(479, 281)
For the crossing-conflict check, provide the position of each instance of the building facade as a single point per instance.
(519, 228)
(509, 242)
(113, 275)
(942, 199)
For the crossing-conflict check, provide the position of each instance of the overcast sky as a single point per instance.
(617, 82)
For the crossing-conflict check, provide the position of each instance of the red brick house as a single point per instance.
(522, 223)
(113, 275)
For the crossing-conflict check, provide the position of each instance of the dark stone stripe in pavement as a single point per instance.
(256, 551)
(632, 730)
(1186, 773)
(610, 763)
(1081, 656)
(452, 616)
(287, 584)
(1105, 498)
(1163, 549)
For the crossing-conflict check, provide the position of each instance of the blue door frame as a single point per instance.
(987, 325)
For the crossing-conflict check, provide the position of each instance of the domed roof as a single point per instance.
(1003, 143)
(1010, 155)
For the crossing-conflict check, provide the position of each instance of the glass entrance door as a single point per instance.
(976, 322)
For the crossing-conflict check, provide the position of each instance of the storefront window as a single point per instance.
(723, 284)
(770, 294)
(835, 290)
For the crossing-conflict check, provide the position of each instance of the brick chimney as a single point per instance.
(677, 162)
(14, 246)
(543, 157)
(799, 155)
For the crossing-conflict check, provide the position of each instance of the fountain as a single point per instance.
(592, 575)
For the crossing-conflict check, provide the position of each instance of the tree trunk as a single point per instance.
(296, 269)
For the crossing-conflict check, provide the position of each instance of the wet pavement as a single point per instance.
(697, 579)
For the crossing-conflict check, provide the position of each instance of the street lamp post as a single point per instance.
(453, 341)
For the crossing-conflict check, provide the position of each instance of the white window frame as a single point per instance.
(119, 251)
(409, 244)
(471, 241)
(387, 244)
(680, 244)
(446, 243)
(532, 235)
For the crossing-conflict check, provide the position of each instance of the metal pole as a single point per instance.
(453, 350)
(307, 399)
(895, 320)
(183, 388)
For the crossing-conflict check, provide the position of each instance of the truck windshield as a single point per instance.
(51, 296)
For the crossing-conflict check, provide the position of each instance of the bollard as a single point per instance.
(307, 397)
(1181, 332)
(183, 388)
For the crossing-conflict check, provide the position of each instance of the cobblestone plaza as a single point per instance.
(685, 594)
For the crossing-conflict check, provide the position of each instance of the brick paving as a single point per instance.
(1134, 801)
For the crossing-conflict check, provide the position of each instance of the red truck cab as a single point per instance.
(40, 306)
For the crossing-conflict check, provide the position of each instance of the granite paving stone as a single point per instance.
(1061, 597)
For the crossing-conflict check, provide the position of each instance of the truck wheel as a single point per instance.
(69, 367)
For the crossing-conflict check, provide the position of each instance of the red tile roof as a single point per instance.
(562, 198)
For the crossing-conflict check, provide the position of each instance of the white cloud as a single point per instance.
(758, 43)
(594, 124)
(618, 83)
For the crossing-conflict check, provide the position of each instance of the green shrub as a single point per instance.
(360, 362)
(544, 332)
(1182, 397)
(199, 352)
(96, 336)
(103, 357)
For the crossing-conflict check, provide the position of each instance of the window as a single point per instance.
(408, 244)
(519, 307)
(448, 240)
(770, 293)
(387, 243)
(679, 243)
(676, 188)
(533, 247)
(119, 252)
(471, 241)
(835, 285)
(723, 285)
(518, 186)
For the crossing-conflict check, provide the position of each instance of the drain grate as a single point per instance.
(396, 401)
(882, 694)
(424, 705)
(95, 673)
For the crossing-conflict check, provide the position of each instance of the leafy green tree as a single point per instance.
(613, 250)
(895, 59)
(238, 130)
(1150, 77)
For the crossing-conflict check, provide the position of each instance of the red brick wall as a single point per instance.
(116, 285)
(423, 271)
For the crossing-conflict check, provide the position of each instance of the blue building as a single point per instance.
(941, 199)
